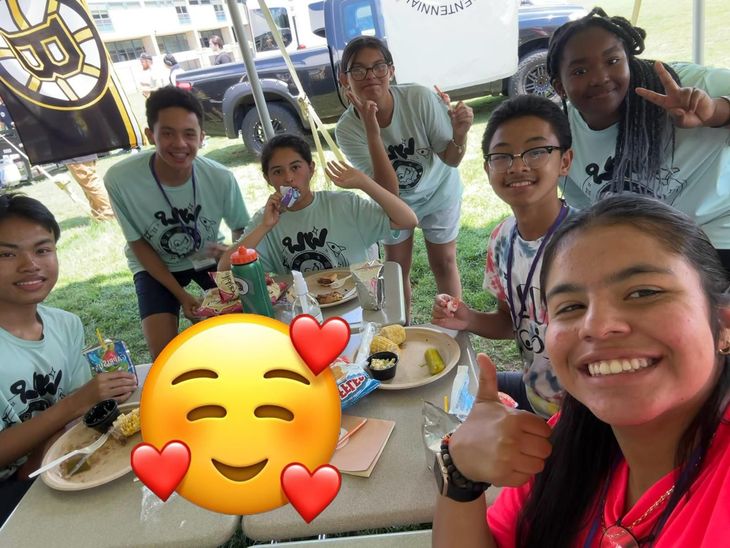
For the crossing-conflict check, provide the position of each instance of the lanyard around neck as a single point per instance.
(514, 312)
(194, 231)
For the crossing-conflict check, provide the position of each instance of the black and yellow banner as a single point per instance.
(58, 82)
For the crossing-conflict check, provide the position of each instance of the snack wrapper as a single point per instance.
(436, 424)
(109, 355)
(370, 284)
(289, 196)
(222, 299)
(353, 383)
(226, 284)
(275, 289)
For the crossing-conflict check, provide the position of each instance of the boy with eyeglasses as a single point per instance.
(526, 150)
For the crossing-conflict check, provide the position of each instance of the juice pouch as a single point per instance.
(113, 355)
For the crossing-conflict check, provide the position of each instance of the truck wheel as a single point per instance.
(281, 118)
(532, 77)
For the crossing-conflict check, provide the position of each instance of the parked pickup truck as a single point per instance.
(227, 99)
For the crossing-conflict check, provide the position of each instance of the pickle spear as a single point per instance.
(435, 361)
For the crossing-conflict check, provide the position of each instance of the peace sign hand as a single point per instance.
(689, 107)
(367, 110)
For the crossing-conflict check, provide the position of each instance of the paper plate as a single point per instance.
(412, 370)
(348, 290)
(111, 461)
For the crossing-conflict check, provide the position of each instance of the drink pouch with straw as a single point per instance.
(109, 355)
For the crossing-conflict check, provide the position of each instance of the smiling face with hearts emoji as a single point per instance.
(237, 393)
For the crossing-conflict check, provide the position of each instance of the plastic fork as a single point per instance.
(339, 283)
(83, 451)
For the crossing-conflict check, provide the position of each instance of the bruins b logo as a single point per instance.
(52, 57)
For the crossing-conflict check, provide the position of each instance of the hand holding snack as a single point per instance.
(190, 304)
(496, 443)
(272, 210)
(450, 312)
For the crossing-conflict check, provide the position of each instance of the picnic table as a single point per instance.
(113, 515)
(400, 491)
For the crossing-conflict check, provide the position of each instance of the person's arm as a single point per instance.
(254, 236)
(462, 117)
(462, 524)
(383, 172)
(21, 439)
(156, 268)
(490, 325)
(344, 176)
(688, 106)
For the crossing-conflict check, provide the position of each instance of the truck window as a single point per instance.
(357, 17)
(263, 37)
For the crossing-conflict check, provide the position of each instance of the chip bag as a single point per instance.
(353, 383)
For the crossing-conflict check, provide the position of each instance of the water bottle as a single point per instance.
(304, 303)
(251, 282)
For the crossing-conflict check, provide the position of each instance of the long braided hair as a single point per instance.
(645, 130)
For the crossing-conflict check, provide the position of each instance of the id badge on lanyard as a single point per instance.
(200, 259)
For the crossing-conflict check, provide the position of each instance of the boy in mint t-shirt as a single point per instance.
(45, 382)
(526, 150)
(320, 230)
(169, 204)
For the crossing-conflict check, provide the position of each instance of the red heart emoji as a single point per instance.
(161, 471)
(318, 345)
(310, 493)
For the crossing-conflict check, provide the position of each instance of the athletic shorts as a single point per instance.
(155, 298)
(439, 227)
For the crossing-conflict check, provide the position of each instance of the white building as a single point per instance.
(184, 27)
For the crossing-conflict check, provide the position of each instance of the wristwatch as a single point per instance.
(450, 482)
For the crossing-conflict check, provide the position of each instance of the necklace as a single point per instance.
(619, 535)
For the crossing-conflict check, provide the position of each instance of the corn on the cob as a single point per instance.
(435, 361)
(381, 344)
(128, 424)
(395, 333)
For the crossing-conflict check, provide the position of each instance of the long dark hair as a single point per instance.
(585, 447)
(645, 130)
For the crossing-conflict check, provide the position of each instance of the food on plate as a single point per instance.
(327, 279)
(329, 298)
(380, 364)
(434, 361)
(70, 464)
(126, 425)
(395, 333)
(383, 344)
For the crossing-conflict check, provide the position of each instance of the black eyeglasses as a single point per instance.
(360, 73)
(533, 158)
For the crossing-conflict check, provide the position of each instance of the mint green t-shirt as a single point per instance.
(334, 231)
(419, 130)
(34, 375)
(694, 180)
(143, 212)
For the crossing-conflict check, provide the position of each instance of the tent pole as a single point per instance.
(698, 31)
(253, 77)
(635, 13)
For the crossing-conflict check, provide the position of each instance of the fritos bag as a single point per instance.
(353, 383)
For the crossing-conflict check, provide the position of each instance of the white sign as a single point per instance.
(452, 43)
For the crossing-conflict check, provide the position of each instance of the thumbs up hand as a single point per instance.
(497, 444)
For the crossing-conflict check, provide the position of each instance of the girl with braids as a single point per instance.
(639, 455)
(640, 126)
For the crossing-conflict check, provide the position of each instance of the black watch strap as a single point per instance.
(451, 483)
